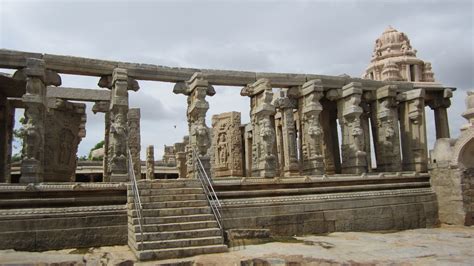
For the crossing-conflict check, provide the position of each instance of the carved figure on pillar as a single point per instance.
(197, 88)
(288, 132)
(134, 139)
(354, 159)
(312, 137)
(413, 130)
(262, 111)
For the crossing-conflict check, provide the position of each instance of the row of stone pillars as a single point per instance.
(296, 133)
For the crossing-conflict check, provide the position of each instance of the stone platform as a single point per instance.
(308, 205)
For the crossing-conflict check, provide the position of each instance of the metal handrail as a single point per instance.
(136, 194)
(206, 183)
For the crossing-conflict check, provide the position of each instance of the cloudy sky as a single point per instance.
(321, 37)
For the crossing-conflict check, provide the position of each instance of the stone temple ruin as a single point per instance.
(287, 172)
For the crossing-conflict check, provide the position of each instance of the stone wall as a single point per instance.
(46, 217)
(358, 211)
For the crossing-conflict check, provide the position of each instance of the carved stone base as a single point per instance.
(314, 166)
(268, 167)
(357, 165)
(31, 171)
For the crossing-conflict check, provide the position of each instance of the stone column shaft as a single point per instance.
(262, 111)
(32, 167)
(440, 103)
(313, 135)
(353, 137)
(413, 130)
(288, 150)
(134, 139)
(386, 130)
(105, 160)
(150, 162)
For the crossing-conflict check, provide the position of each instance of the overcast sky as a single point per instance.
(320, 37)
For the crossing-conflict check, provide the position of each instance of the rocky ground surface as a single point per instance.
(439, 246)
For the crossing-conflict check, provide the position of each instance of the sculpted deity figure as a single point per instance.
(222, 149)
(314, 132)
(118, 129)
(267, 134)
(201, 133)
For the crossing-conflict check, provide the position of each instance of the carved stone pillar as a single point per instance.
(134, 139)
(35, 74)
(354, 159)
(332, 157)
(386, 130)
(227, 145)
(150, 162)
(288, 150)
(119, 83)
(196, 88)
(262, 111)
(104, 107)
(313, 135)
(365, 118)
(180, 155)
(413, 130)
(7, 116)
(440, 104)
(248, 149)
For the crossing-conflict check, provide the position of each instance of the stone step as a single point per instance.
(169, 191)
(158, 184)
(176, 226)
(197, 233)
(171, 204)
(171, 253)
(179, 197)
(172, 219)
(180, 243)
(173, 211)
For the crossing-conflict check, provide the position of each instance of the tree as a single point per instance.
(99, 145)
(18, 135)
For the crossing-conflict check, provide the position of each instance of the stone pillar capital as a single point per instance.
(119, 74)
(257, 87)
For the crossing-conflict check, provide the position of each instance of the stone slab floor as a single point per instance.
(438, 246)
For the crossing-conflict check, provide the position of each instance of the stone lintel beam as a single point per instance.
(78, 94)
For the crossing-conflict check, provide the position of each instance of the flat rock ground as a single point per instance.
(436, 246)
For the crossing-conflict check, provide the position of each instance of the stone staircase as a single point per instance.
(176, 221)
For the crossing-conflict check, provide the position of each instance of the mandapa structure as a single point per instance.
(285, 173)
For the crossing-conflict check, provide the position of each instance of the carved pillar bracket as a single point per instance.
(120, 83)
(354, 159)
(262, 112)
(197, 88)
(440, 103)
(312, 131)
(413, 130)
(386, 130)
(286, 105)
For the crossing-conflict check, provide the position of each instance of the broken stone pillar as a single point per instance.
(312, 132)
(262, 112)
(227, 145)
(150, 162)
(37, 78)
(330, 145)
(104, 107)
(354, 159)
(386, 130)
(440, 104)
(180, 155)
(63, 132)
(288, 145)
(413, 130)
(119, 83)
(134, 139)
(196, 88)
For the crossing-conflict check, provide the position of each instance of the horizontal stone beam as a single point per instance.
(77, 94)
(95, 67)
